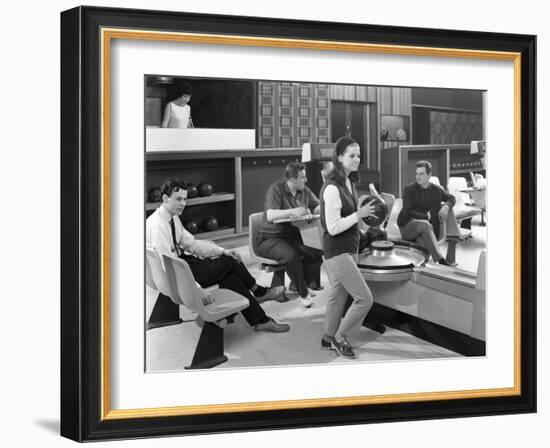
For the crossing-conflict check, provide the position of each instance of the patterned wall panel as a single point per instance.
(291, 114)
(454, 127)
(266, 120)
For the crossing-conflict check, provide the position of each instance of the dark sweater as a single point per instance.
(417, 201)
(347, 241)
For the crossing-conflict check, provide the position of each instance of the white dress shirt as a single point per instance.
(336, 224)
(159, 236)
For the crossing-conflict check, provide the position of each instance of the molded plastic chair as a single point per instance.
(149, 274)
(389, 199)
(158, 276)
(461, 210)
(456, 184)
(166, 310)
(266, 264)
(435, 180)
(392, 229)
(209, 351)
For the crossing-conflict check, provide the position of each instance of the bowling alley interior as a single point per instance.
(237, 139)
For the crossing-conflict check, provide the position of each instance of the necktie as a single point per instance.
(173, 229)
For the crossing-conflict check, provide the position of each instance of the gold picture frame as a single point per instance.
(86, 256)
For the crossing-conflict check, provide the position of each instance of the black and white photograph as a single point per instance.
(282, 224)
(304, 223)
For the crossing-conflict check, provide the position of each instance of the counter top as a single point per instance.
(222, 153)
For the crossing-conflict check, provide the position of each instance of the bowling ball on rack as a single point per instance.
(380, 210)
(154, 194)
(205, 189)
(192, 191)
(401, 134)
(191, 226)
(210, 223)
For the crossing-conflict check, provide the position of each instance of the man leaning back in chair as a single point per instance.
(425, 206)
(209, 263)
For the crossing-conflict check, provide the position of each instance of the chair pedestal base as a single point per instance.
(209, 351)
(165, 313)
(482, 223)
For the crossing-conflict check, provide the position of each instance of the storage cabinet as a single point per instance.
(240, 179)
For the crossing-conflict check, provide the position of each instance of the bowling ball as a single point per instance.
(401, 134)
(205, 189)
(210, 224)
(192, 191)
(380, 210)
(154, 194)
(191, 226)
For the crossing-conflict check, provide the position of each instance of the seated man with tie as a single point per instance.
(209, 263)
(282, 242)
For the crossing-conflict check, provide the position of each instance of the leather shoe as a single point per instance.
(275, 293)
(272, 326)
(315, 287)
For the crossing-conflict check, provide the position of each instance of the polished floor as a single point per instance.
(171, 348)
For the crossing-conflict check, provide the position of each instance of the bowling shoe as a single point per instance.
(272, 326)
(343, 348)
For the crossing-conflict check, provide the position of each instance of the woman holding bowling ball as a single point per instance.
(340, 218)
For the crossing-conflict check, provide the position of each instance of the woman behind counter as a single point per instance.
(340, 218)
(177, 113)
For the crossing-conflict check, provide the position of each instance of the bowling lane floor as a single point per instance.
(171, 348)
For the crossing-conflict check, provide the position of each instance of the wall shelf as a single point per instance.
(237, 177)
(219, 233)
(467, 170)
(215, 197)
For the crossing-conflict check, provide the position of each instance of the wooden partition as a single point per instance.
(399, 162)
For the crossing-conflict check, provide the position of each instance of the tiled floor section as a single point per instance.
(171, 348)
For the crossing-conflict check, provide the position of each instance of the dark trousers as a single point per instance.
(303, 263)
(422, 232)
(229, 274)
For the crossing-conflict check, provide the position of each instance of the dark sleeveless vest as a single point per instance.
(345, 242)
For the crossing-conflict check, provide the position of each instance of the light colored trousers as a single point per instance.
(345, 279)
(422, 232)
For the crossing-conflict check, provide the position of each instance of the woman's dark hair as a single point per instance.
(184, 88)
(172, 184)
(337, 173)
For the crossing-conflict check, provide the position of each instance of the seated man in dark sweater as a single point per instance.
(425, 205)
